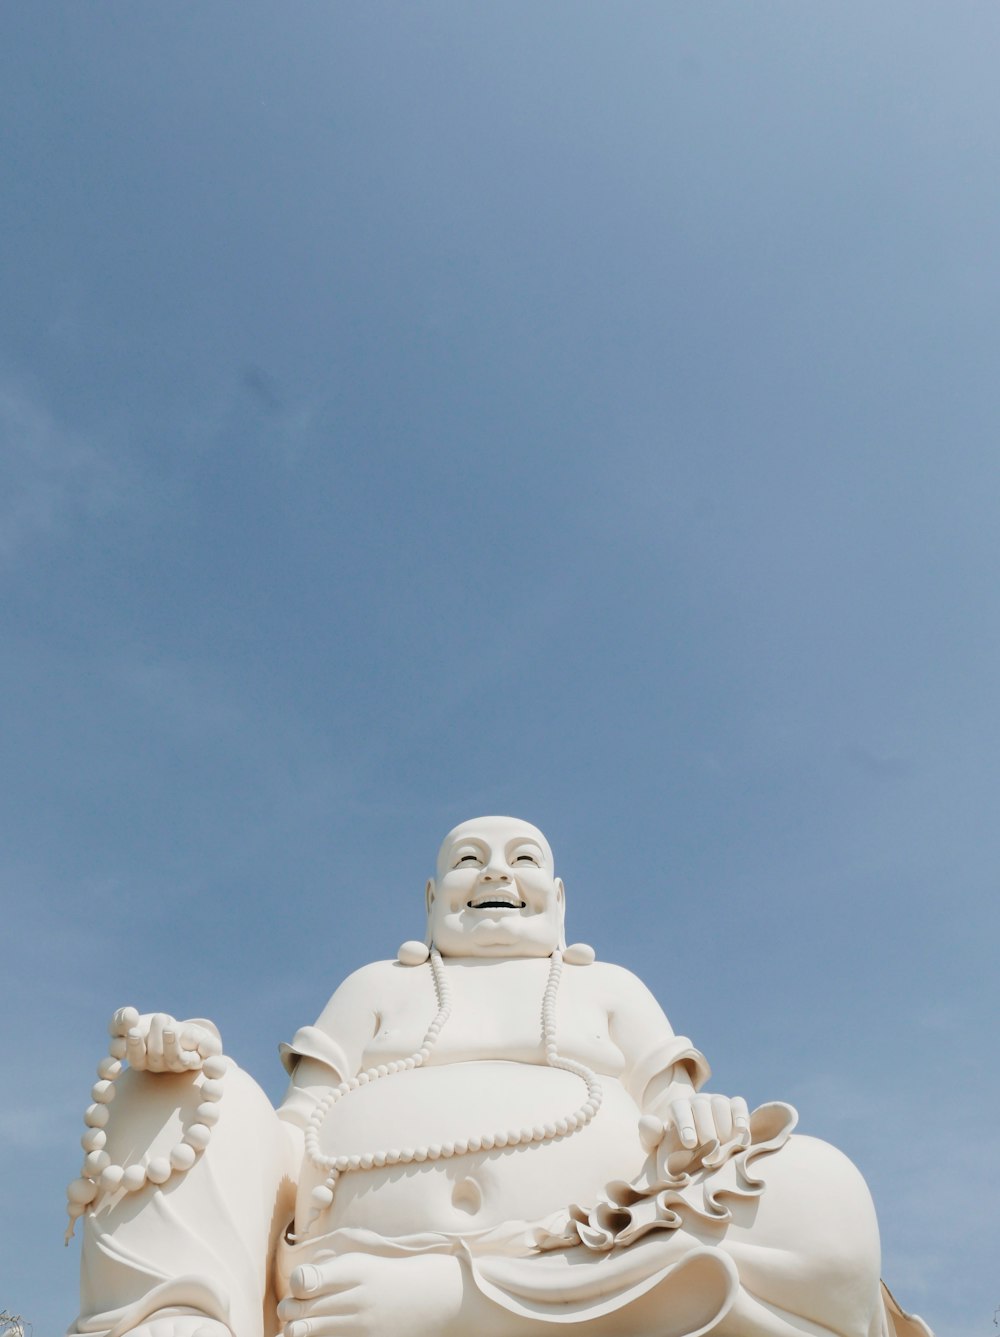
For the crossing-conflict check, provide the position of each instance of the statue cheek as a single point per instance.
(453, 896)
(449, 913)
(533, 892)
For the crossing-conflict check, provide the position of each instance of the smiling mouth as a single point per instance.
(495, 902)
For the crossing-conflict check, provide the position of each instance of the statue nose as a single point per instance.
(492, 874)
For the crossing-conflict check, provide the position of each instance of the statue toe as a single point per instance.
(180, 1325)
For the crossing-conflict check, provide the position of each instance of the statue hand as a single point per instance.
(364, 1295)
(157, 1042)
(696, 1120)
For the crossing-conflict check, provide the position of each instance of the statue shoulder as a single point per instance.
(372, 979)
(617, 981)
(374, 973)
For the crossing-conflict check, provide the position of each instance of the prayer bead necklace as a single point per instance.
(99, 1174)
(334, 1166)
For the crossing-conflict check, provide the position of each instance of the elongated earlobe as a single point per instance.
(429, 895)
(580, 954)
(412, 953)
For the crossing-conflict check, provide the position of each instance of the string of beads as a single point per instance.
(334, 1166)
(99, 1174)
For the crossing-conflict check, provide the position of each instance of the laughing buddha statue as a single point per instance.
(491, 1135)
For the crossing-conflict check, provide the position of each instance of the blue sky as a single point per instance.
(577, 410)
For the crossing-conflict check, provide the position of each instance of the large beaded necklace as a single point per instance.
(99, 1175)
(335, 1166)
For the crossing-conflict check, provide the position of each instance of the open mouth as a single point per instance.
(494, 902)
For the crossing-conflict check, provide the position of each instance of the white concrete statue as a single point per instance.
(488, 1136)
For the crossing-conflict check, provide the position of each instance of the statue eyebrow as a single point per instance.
(470, 845)
(525, 842)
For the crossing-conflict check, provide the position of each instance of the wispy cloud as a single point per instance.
(280, 425)
(187, 696)
(51, 476)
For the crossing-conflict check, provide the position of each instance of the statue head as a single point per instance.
(495, 893)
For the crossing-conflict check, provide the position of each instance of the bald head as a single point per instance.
(501, 831)
(495, 893)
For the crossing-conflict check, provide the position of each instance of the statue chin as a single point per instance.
(518, 1140)
(497, 938)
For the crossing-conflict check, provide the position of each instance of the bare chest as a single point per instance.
(496, 1013)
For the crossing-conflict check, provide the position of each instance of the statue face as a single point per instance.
(495, 893)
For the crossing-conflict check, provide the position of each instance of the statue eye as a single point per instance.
(526, 858)
(467, 858)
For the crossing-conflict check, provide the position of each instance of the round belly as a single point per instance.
(478, 1190)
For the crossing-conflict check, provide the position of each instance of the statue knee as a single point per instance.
(812, 1245)
(820, 1205)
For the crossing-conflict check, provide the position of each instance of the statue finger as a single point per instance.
(135, 1050)
(158, 1022)
(683, 1120)
(172, 1054)
(650, 1131)
(209, 1045)
(187, 1041)
(722, 1115)
(704, 1121)
(122, 1022)
(741, 1116)
(189, 1036)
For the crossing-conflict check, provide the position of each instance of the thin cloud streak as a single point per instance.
(51, 477)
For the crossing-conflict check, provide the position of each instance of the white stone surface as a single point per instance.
(488, 1135)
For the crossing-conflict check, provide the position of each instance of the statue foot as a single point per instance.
(180, 1325)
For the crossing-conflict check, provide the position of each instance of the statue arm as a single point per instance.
(331, 1051)
(657, 1061)
(665, 1073)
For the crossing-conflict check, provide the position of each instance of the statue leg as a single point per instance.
(200, 1244)
(807, 1250)
(438, 1295)
(801, 1258)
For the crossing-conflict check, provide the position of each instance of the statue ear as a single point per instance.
(561, 897)
(429, 894)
